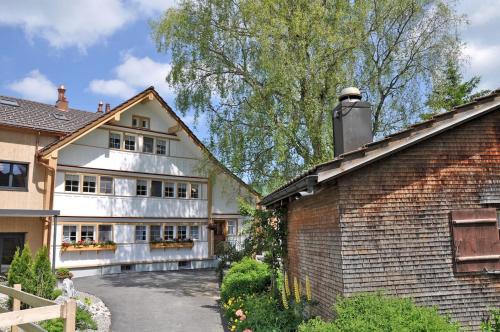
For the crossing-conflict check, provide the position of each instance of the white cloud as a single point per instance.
(132, 75)
(82, 24)
(480, 12)
(35, 86)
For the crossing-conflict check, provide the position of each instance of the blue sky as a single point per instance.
(102, 49)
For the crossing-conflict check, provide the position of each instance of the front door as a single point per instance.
(9, 242)
(219, 235)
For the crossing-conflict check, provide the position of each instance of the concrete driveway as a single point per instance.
(158, 301)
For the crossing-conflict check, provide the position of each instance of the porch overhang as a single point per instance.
(28, 213)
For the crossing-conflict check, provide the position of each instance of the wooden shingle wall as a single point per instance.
(394, 216)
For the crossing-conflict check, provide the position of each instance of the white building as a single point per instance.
(137, 181)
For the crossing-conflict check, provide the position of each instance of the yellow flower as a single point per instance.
(284, 298)
(287, 286)
(233, 327)
(296, 290)
(308, 289)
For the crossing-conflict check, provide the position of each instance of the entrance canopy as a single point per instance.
(20, 213)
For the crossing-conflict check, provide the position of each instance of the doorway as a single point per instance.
(9, 242)
(219, 235)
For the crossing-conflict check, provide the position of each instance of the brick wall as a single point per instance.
(314, 246)
(395, 222)
(395, 228)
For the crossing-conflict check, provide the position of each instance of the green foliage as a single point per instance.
(44, 279)
(267, 73)
(261, 312)
(63, 273)
(56, 293)
(450, 90)
(246, 277)
(20, 271)
(492, 324)
(84, 321)
(227, 254)
(378, 313)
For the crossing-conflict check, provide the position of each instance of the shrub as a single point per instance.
(260, 312)
(20, 271)
(56, 293)
(84, 321)
(44, 279)
(492, 324)
(377, 313)
(63, 273)
(244, 278)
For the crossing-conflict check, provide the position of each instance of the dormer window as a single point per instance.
(140, 122)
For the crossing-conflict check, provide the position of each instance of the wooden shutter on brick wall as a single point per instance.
(476, 242)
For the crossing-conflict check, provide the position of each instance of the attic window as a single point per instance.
(60, 116)
(9, 102)
(140, 122)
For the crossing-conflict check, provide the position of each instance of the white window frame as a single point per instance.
(186, 232)
(121, 140)
(191, 232)
(151, 233)
(156, 147)
(175, 189)
(191, 190)
(112, 184)
(136, 141)
(96, 183)
(94, 233)
(79, 182)
(76, 233)
(174, 233)
(235, 227)
(178, 184)
(145, 235)
(99, 232)
(153, 147)
(147, 187)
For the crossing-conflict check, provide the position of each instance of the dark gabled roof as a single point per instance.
(43, 117)
(387, 146)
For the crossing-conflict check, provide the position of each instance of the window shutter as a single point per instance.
(476, 243)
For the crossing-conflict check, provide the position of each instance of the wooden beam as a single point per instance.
(30, 299)
(69, 313)
(174, 129)
(16, 306)
(28, 327)
(30, 315)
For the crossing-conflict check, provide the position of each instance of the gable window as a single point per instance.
(231, 227)
(182, 190)
(140, 122)
(13, 175)
(129, 141)
(106, 185)
(182, 232)
(115, 140)
(142, 188)
(87, 233)
(195, 190)
(148, 144)
(168, 232)
(156, 188)
(195, 232)
(72, 182)
(89, 184)
(105, 233)
(169, 189)
(140, 233)
(155, 233)
(69, 233)
(161, 146)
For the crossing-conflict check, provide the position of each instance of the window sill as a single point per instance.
(108, 247)
(166, 245)
(13, 189)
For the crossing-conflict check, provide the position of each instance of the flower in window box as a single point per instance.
(65, 245)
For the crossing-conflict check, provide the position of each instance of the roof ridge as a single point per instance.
(44, 104)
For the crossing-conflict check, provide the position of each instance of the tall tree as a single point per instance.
(451, 90)
(267, 73)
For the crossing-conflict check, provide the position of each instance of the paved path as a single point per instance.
(158, 301)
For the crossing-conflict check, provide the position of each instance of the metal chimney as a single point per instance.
(352, 122)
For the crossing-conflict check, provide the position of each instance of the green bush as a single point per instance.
(492, 324)
(84, 321)
(44, 279)
(378, 313)
(244, 278)
(56, 293)
(63, 273)
(20, 271)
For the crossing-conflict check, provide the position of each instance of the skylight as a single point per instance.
(60, 116)
(9, 102)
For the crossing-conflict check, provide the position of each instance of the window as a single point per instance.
(87, 233)
(69, 234)
(106, 185)
(155, 233)
(129, 142)
(156, 188)
(148, 144)
(231, 227)
(140, 233)
(168, 232)
(195, 190)
(142, 188)
(105, 233)
(169, 189)
(161, 146)
(140, 122)
(182, 190)
(195, 232)
(182, 232)
(13, 175)
(72, 182)
(115, 140)
(89, 184)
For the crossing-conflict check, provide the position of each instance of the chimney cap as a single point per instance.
(350, 93)
(61, 87)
